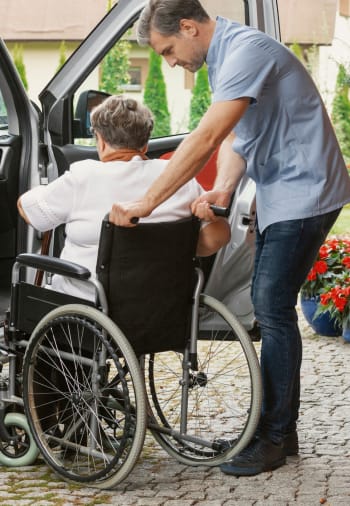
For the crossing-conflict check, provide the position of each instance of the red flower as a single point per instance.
(346, 261)
(333, 244)
(320, 266)
(329, 279)
(340, 297)
(323, 253)
(325, 298)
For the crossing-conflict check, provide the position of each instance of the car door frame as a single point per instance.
(23, 122)
(57, 96)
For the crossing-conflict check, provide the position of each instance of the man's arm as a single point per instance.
(187, 160)
(231, 167)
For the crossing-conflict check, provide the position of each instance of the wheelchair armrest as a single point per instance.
(53, 265)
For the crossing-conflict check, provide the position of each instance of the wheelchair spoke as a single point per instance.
(81, 397)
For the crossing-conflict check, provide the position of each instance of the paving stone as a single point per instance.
(321, 471)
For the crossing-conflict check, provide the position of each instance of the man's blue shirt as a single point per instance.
(285, 135)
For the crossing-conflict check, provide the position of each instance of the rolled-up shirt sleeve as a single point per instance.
(48, 206)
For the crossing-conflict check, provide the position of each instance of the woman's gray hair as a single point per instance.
(164, 16)
(122, 122)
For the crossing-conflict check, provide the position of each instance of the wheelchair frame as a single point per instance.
(101, 445)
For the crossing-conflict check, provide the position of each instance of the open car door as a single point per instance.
(19, 141)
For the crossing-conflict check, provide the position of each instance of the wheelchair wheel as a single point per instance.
(22, 451)
(218, 415)
(84, 396)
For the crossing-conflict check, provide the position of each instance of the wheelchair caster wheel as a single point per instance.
(22, 451)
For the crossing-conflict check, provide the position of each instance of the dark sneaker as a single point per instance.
(291, 444)
(259, 456)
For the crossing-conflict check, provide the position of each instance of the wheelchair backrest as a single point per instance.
(148, 275)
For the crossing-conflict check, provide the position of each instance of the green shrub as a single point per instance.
(19, 64)
(341, 111)
(155, 96)
(201, 97)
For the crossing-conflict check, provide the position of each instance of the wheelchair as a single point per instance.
(153, 352)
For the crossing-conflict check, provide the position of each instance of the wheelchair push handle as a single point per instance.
(217, 210)
(220, 211)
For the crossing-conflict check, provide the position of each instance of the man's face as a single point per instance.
(181, 49)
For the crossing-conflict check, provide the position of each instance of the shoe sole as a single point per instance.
(252, 471)
(291, 453)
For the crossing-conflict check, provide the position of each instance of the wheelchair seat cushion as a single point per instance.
(148, 275)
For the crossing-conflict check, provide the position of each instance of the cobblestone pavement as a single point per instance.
(319, 475)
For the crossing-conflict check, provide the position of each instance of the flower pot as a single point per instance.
(323, 325)
(346, 334)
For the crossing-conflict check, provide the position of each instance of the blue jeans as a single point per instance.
(285, 252)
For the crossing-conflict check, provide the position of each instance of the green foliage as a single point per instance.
(297, 50)
(115, 66)
(155, 96)
(3, 111)
(342, 226)
(19, 64)
(341, 111)
(307, 56)
(63, 55)
(201, 97)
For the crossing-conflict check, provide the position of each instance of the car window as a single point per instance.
(3, 116)
(169, 92)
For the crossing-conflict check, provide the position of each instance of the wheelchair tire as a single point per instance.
(224, 394)
(23, 451)
(84, 396)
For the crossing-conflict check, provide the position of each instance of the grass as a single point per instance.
(342, 225)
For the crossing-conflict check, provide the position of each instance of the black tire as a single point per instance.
(84, 396)
(224, 395)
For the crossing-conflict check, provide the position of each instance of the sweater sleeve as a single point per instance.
(51, 205)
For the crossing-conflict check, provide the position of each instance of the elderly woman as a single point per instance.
(82, 196)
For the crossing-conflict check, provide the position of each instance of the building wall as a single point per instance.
(41, 58)
(331, 57)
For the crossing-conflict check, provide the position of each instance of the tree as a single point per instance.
(201, 97)
(155, 96)
(341, 111)
(63, 55)
(19, 64)
(115, 66)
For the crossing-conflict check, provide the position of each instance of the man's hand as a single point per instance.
(201, 206)
(126, 214)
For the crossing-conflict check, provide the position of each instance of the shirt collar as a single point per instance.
(214, 46)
